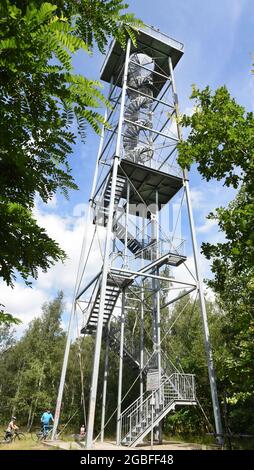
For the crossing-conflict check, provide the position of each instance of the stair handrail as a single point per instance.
(140, 398)
(177, 394)
(163, 254)
(168, 380)
(105, 180)
(93, 299)
(139, 231)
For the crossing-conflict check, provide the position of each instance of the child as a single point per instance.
(82, 431)
(12, 427)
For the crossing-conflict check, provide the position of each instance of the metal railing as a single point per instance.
(92, 302)
(162, 247)
(141, 415)
(151, 252)
(154, 164)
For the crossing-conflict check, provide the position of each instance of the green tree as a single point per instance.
(185, 346)
(6, 338)
(30, 367)
(7, 318)
(221, 143)
(40, 97)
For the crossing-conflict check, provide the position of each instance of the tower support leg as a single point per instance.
(156, 311)
(97, 350)
(209, 355)
(120, 376)
(77, 286)
(141, 379)
(211, 372)
(105, 384)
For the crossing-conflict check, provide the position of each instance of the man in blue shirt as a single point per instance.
(45, 420)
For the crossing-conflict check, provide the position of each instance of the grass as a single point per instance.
(26, 444)
(209, 442)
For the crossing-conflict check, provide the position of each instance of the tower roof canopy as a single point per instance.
(150, 41)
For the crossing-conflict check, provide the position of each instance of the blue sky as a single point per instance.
(218, 39)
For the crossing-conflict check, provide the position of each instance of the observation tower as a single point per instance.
(144, 267)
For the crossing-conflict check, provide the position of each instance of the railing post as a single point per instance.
(105, 383)
(130, 429)
(120, 430)
(120, 377)
(152, 404)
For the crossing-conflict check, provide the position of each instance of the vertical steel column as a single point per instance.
(156, 288)
(154, 284)
(158, 314)
(126, 225)
(156, 307)
(209, 355)
(120, 376)
(141, 365)
(93, 394)
(73, 309)
(211, 372)
(158, 311)
(105, 384)
(91, 199)
(63, 373)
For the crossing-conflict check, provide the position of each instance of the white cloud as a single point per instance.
(208, 226)
(207, 198)
(189, 110)
(69, 233)
(25, 302)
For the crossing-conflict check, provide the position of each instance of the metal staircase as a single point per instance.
(151, 250)
(120, 184)
(139, 109)
(102, 206)
(135, 246)
(132, 353)
(148, 410)
(112, 293)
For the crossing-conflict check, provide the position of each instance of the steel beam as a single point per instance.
(120, 376)
(97, 351)
(153, 131)
(211, 371)
(180, 296)
(152, 98)
(105, 384)
(123, 273)
(77, 285)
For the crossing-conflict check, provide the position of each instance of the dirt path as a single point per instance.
(167, 445)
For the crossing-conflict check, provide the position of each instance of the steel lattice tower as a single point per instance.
(136, 176)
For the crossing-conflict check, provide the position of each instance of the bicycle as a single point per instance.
(7, 438)
(43, 433)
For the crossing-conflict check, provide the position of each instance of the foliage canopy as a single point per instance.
(221, 143)
(41, 102)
